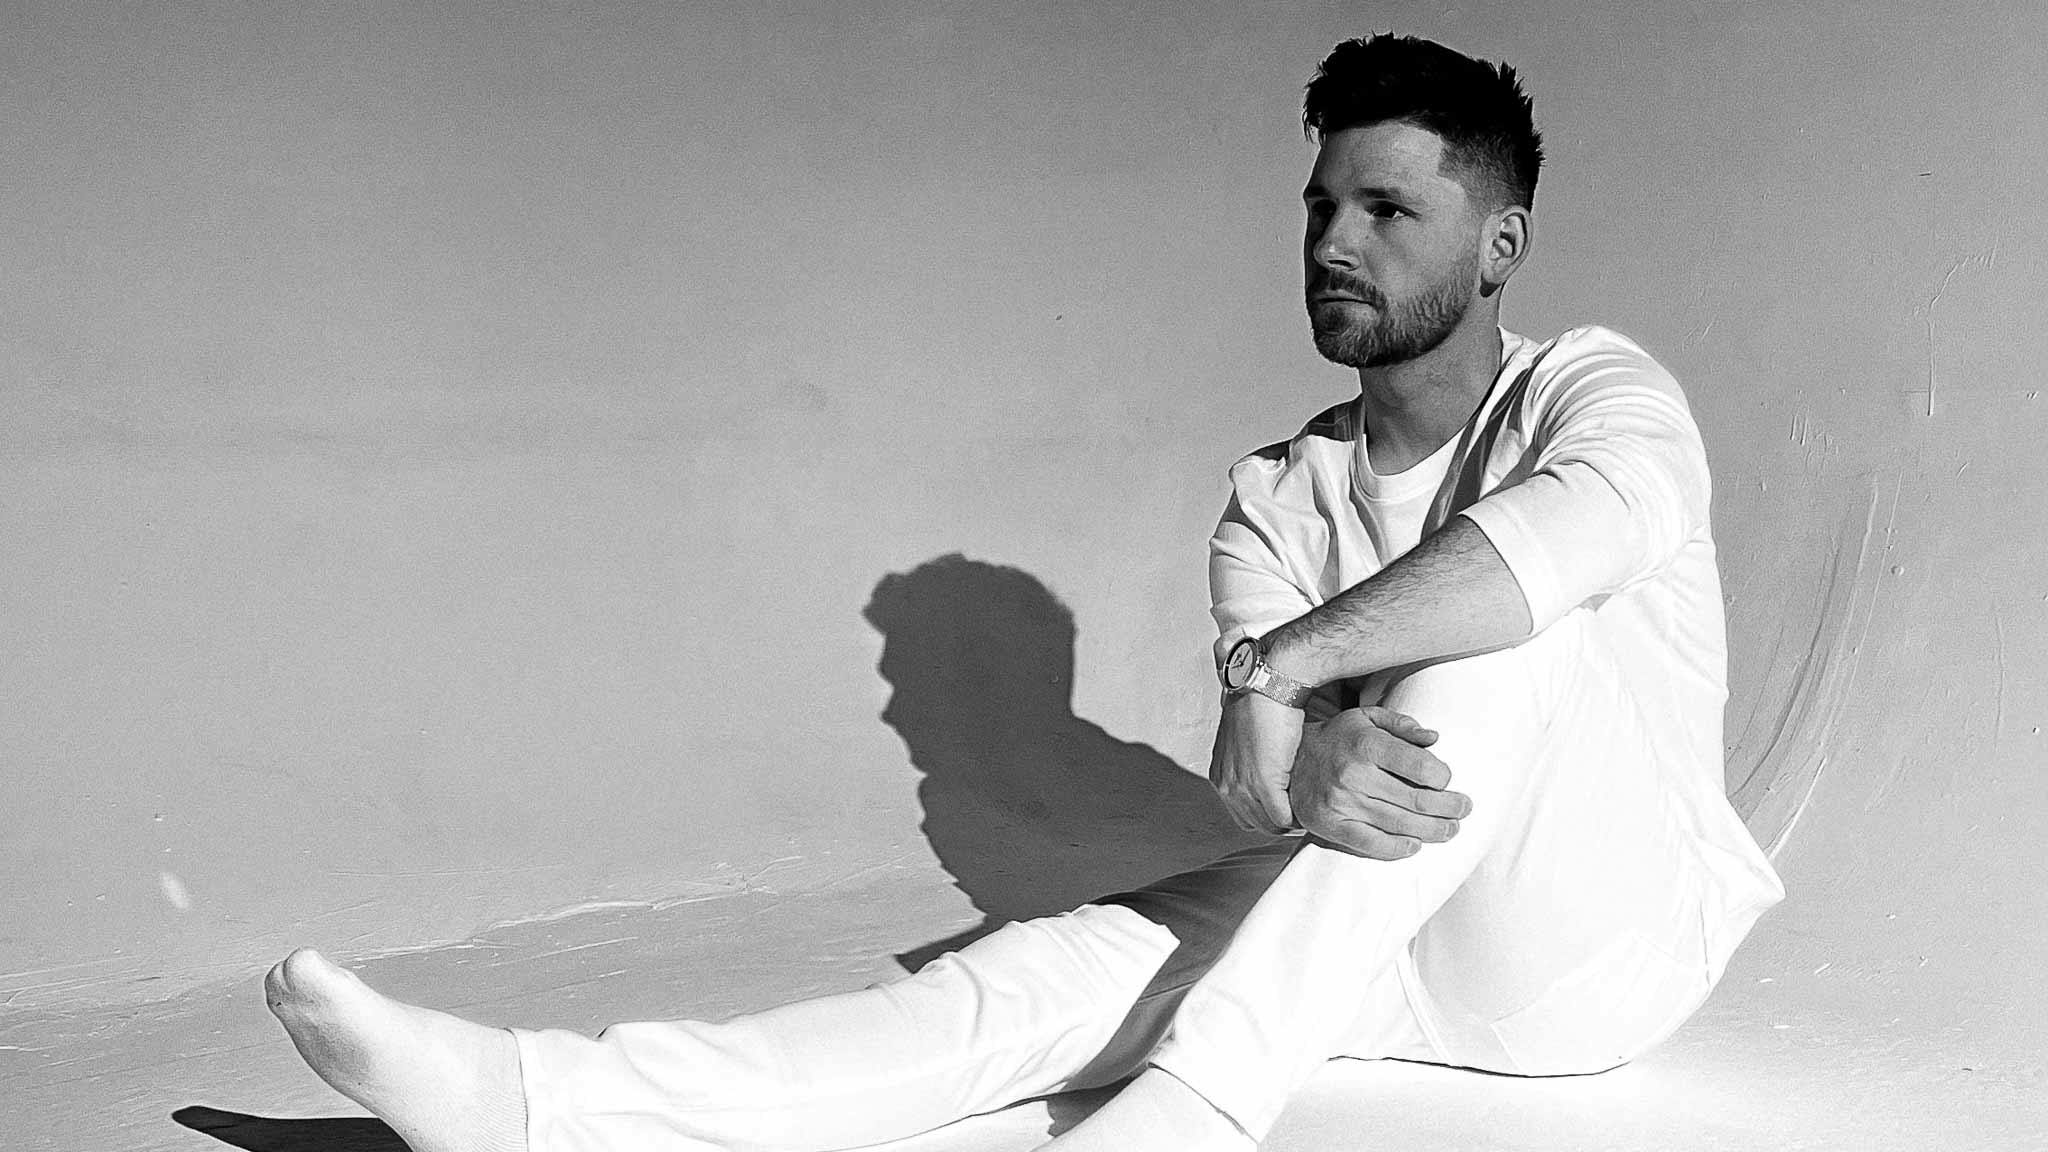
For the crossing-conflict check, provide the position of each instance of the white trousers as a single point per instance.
(1573, 922)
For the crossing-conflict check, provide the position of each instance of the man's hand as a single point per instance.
(1253, 758)
(1365, 782)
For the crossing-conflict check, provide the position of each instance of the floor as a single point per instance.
(1777, 1060)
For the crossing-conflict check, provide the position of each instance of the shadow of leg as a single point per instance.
(1067, 1109)
(265, 1134)
(924, 954)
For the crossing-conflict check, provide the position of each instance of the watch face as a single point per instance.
(1237, 667)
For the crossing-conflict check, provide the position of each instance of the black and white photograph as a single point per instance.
(942, 576)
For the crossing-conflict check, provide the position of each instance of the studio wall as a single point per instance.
(448, 454)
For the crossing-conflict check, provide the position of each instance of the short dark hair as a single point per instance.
(1487, 122)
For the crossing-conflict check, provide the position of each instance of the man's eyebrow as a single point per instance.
(1364, 192)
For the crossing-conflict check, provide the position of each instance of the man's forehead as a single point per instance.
(1391, 153)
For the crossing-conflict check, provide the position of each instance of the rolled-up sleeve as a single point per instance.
(1618, 486)
(1253, 587)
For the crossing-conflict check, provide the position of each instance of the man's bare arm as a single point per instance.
(1450, 595)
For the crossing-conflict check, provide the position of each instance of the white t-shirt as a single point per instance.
(1584, 469)
(1396, 507)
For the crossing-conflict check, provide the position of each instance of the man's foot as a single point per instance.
(1155, 1113)
(443, 1083)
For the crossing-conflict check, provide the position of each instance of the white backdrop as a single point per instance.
(446, 454)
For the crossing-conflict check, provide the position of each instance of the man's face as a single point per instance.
(1391, 251)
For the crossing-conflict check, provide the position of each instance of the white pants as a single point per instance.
(1573, 922)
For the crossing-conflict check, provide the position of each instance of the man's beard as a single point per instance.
(1392, 334)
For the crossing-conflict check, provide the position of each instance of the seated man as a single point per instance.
(1503, 539)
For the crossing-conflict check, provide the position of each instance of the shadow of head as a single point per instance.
(972, 649)
(1031, 808)
(264, 1134)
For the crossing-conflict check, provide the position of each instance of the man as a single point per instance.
(1503, 539)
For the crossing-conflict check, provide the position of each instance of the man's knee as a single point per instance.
(1520, 685)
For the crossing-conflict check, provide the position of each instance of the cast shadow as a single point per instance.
(265, 1134)
(1031, 809)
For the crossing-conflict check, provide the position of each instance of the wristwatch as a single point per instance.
(1245, 670)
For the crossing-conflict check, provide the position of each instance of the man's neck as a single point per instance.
(1413, 407)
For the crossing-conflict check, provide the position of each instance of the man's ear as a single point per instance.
(1509, 233)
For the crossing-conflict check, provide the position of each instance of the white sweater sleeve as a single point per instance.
(1619, 482)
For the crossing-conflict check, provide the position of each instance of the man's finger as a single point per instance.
(1401, 724)
(1249, 814)
(1420, 769)
(1278, 808)
(1361, 839)
(1398, 821)
(1440, 803)
(1445, 804)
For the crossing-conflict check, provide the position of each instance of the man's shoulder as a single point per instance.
(1586, 346)
(1336, 425)
(1582, 342)
(1587, 354)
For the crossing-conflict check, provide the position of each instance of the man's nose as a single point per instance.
(1337, 245)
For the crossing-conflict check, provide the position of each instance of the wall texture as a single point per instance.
(448, 453)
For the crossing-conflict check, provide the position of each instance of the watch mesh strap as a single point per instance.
(1285, 689)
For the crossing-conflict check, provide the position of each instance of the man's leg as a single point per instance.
(1323, 967)
(1573, 868)
(1591, 930)
(1064, 1002)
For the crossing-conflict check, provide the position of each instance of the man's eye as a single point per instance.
(1388, 211)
